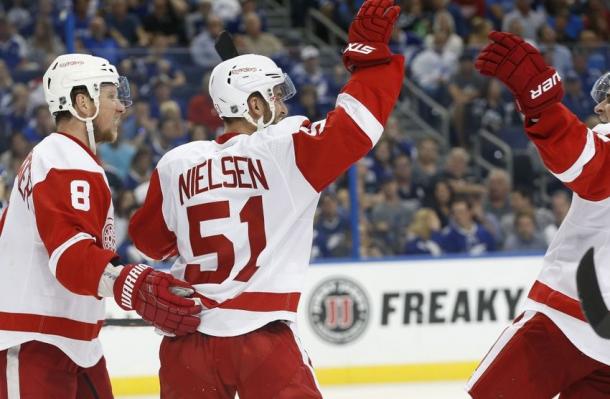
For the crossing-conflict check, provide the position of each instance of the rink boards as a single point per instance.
(370, 322)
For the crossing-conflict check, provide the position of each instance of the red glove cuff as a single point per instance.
(365, 54)
(128, 283)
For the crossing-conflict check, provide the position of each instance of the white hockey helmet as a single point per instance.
(71, 70)
(234, 80)
(601, 88)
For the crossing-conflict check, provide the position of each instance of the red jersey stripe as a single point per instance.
(51, 325)
(544, 294)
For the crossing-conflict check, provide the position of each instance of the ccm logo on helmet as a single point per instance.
(545, 86)
(359, 48)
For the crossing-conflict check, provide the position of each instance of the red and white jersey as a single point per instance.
(56, 237)
(580, 158)
(239, 210)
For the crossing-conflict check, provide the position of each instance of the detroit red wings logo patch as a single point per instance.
(108, 235)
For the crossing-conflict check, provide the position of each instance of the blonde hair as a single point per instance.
(420, 226)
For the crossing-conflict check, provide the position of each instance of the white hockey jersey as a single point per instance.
(580, 158)
(239, 210)
(56, 237)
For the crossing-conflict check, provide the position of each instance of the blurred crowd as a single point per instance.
(415, 195)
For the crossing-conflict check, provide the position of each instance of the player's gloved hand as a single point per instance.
(521, 67)
(369, 34)
(147, 291)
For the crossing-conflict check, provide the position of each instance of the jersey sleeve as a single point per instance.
(71, 208)
(575, 154)
(330, 146)
(147, 227)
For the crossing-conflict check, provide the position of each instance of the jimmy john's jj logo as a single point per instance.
(338, 310)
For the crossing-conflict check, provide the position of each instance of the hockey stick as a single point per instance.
(591, 299)
(225, 47)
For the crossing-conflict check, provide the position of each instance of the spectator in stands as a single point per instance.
(370, 247)
(11, 159)
(423, 234)
(595, 50)
(440, 200)
(464, 86)
(499, 186)
(160, 65)
(560, 204)
(413, 20)
(83, 12)
(522, 200)
(237, 24)
(399, 140)
(140, 169)
(197, 21)
(256, 41)
(426, 164)
(382, 161)
(479, 29)
(166, 22)
(557, 54)
(202, 47)
(43, 44)
(530, 19)
(309, 72)
(117, 155)
(13, 48)
(409, 193)
(18, 15)
(433, 67)
(15, 107)
(497, 10)
(40, 125)
(308, 104)
(492, 111)
(464, 234)
(567, 24)
(201, 110)
(443, 22)
(575, 98)
(332, 236)
(125, 205)
(227, 10)
(162, 92)
(139, 124)
(457, 172)
(169, 135)
(391, 216)
(526, 236)
(98, 42)
(124, 27)
(597, 18)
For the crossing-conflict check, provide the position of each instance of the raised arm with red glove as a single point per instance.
(535, 85)
(152, 294)
(369, 34)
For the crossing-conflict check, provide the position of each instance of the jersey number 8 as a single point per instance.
(79, 191)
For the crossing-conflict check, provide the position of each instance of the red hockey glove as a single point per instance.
(535, 85)
(369, 34)
(147, 291)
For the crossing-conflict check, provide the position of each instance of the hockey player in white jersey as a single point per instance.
(550, 349)
(239, 211)
(57, 248)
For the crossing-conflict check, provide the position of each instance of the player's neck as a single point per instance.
(240, 126)
(76, 129)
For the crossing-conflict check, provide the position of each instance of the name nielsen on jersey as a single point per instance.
(237, 172)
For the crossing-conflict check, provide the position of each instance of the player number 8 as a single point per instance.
(79, 191)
